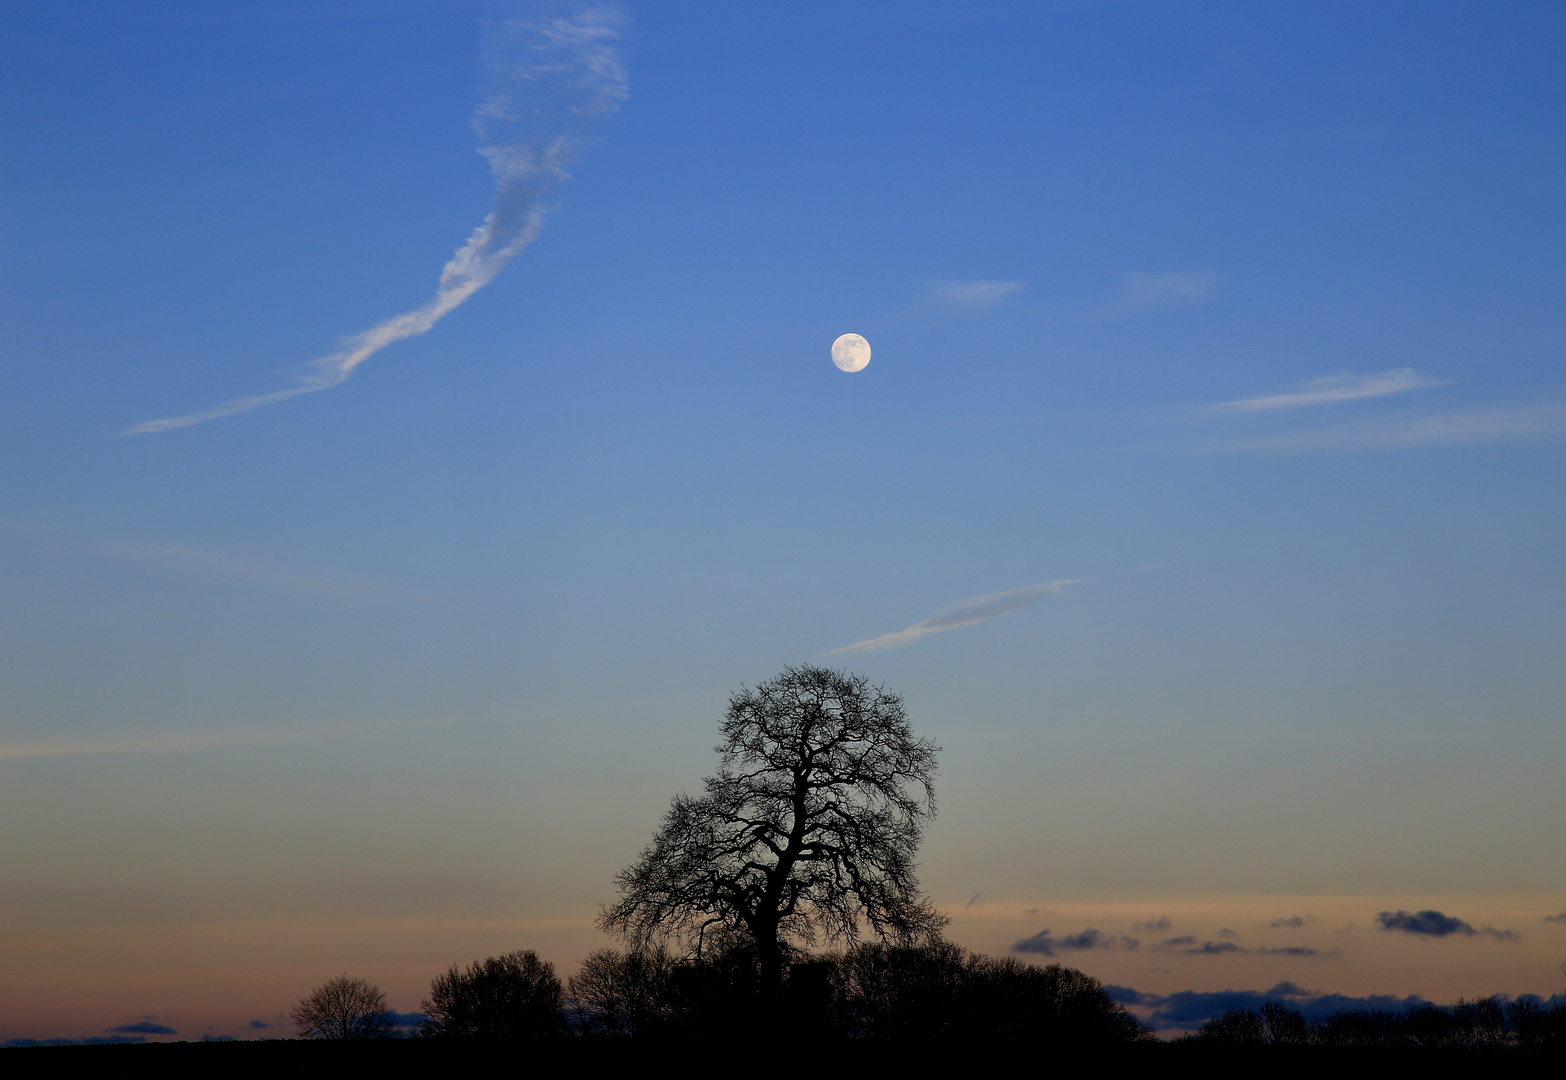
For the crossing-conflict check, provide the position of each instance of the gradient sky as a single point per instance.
(1237, 326)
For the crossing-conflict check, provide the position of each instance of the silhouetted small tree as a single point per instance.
(807, 831)
(500, 997)
(344, 1008)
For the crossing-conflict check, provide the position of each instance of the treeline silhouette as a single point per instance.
(872, 991)
(1483, 1024)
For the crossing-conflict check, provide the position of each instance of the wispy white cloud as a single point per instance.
(1333, 389)
(177, 742)
(971, 295)
(1143, 292)
(1455, 427)
(554, 76)
(975, 609)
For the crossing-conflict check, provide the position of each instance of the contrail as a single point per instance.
(554, 75)
(963, 613)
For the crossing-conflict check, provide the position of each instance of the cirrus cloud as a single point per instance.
(1335, 389)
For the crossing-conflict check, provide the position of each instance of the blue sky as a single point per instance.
(481, 604)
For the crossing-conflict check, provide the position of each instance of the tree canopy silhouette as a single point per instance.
(808, 829)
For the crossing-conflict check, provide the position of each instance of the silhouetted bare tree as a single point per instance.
(344, 1008)
(808, 830)
(615, 993)
(500, 997)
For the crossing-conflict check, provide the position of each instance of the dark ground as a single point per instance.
(761, 1059)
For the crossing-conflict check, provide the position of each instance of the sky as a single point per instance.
(1202, 496)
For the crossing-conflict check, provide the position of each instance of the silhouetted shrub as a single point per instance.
(501, 997)
(1361, 1028)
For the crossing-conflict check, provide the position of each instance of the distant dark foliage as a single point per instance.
(1481, 1024)
(500, 997)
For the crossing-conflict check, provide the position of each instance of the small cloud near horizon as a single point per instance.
(1045, 945)
(1292, 922)
(1334, 389)
(1213, 948)
(1556, 918)
(971, 295)
(142, 1027)
(1296, 950)
(1153, 926)
(1435, 924)
(975, 609)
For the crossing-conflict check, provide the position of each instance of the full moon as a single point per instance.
(851, 352)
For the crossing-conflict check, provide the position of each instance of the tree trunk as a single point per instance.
(769, 956)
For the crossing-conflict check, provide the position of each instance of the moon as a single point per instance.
(851, 352)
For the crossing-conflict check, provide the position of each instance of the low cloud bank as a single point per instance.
(92, 1040)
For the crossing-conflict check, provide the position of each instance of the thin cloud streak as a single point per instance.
(975, 609)
(179, 742)
(554, 77)
(1145, 292)
(1334, 389)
